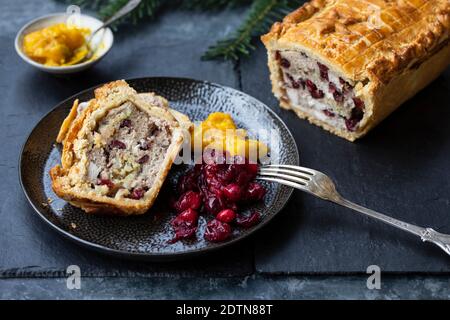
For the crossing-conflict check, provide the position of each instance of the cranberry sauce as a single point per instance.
(220, 190)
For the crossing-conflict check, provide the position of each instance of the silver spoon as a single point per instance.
(130, 6)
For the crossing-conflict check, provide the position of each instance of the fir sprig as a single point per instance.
(261, 15)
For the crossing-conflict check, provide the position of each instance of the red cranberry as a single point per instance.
(217, 231)
(323, 71)
(188, 200)
(310, 85)
(312, 88)
(317, 94)
(143, 159)
(189, 215)
(248, 221)
(285, 63)
(244, 177)
(294, 83)
(254, 192)
(358, 103)
(218, 187)
(185, 225)
(125, 123)
(232, 192)
(105, 182)
(226, 215)
(337, 95)
(329, 113)
(188, 182)
(137, 193)
(117, 144)
(331, 87)
(213, 204)
(355, 118)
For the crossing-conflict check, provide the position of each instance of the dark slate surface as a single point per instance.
(401, 168)
(161, 48)
(238, 288)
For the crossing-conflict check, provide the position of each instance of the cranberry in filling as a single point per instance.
(117, 144)
(105, 182)
(143, 159)
(312, 88)
(294, 83)
(125, 123)
(328, 113)
(137, 193)
(355, 118)
(337, 95)
(358, 103)
(323, 71)
(285, 63)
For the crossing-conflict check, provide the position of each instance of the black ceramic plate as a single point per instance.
(147, 236)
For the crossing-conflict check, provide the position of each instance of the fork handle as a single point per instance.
(425, 234)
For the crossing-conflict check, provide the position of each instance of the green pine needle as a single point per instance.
(261, 15)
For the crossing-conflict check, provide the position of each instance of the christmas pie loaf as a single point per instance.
(347, 64)
(117, 150)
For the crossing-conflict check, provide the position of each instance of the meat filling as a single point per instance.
(310, 84)
(127, 150)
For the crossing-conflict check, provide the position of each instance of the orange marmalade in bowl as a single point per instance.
(56, 45)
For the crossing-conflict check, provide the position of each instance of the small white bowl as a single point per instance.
(104, 38)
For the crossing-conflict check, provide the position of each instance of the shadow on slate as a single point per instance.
(27, 246)
(401, 168)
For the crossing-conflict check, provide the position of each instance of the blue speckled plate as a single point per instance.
(146, 236)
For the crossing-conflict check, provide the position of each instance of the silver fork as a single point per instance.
(321, 186)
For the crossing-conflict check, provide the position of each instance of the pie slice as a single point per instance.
(345, 65)
(117, 150)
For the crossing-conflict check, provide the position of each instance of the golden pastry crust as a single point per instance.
(373, 43)
(67, 178)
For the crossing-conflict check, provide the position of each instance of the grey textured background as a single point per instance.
(401, 168)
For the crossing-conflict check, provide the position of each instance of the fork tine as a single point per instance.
(286, 166)
(294, 173)
(284, 177)
(284, 182)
